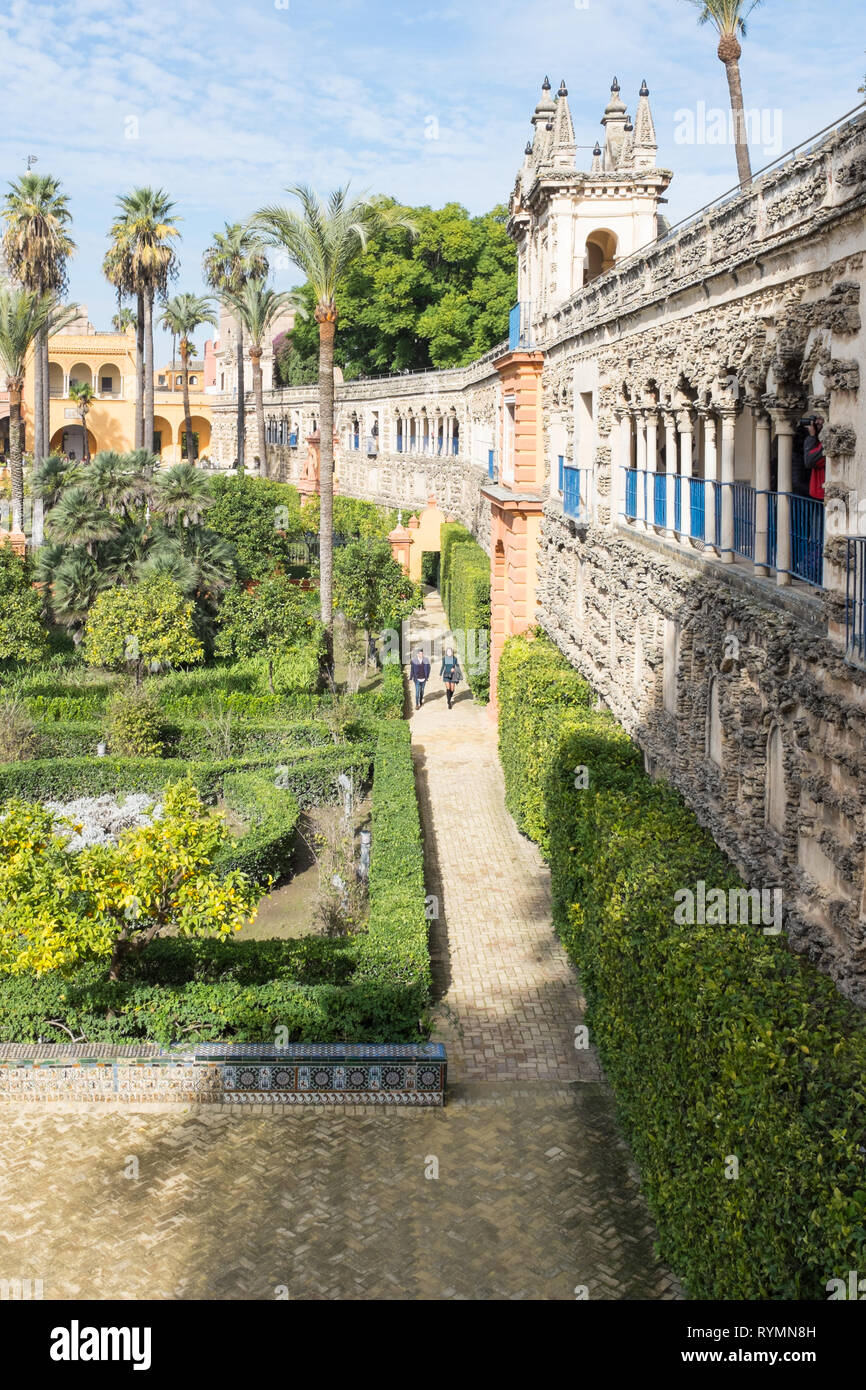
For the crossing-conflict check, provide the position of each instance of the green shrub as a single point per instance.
(271, 815)
(17, 731)
(430, 567)
(465, 587)
(717, 1039)
(136, 727)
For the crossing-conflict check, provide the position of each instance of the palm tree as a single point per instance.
(257, 309)
(728, 18)
(75, 583)
(36, 247)
(50, 477)
(235, 257)
(323, 240)
(84, 395)
(123, 319)
(77, 520)
(23, 316)
(183, 315)
(141, 261)
(183, 495)
(116, 482)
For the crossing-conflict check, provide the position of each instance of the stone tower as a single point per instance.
(571, 225)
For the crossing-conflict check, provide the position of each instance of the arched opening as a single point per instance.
(80, 373)
(714, 740)
(161, 435)
(600, 253)
(200, 436)
(55, 379)
(108, 380)
(775, 797)
(70, 441)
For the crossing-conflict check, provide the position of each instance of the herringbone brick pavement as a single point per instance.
(520, 1188)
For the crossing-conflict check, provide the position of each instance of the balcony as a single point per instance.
(751, 516)
(855, 600)
(573, 499)
(519, 332)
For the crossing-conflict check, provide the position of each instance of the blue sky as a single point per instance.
(223, 104)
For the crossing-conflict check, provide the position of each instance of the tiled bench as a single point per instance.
(242, 1073)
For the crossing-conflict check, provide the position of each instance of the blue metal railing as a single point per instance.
(744, 520)
(399, 443)
(678, 504)
(490, 457)
(293, 440)
(518, 326)
(455, 446)
(631, 493)
(855, 598)
(697, 508)
(807, 539)
(660, 499)
(571, 504)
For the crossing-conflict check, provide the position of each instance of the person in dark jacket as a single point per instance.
(419, 670)
(450, 673)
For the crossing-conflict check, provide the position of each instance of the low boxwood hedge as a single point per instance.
(271, 815)
(720, 1043)
(371, 987)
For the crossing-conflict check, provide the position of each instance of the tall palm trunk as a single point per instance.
(187, 413)
(148, 370)
(729, 52)
(326, 316)
(85, 448)
(259, 397)
(38, 400)
(16, 466)
(46, 394)
(139, 374)
(242, 406)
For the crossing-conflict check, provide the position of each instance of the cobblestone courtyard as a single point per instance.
(521, 1188)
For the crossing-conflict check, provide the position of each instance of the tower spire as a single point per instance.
(614, 121)
(645, 144)
(563, 148)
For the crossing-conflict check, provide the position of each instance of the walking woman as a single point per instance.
(450, 673)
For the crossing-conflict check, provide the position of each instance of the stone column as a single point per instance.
(762, 489)
(652, 426)
(711, 476)
(729, 418)
(785, 435)
(671, 469)
(640, 426)
(685, 423)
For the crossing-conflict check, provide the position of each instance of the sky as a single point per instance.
(224, 104)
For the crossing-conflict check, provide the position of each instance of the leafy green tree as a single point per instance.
(22, 634)
(149, 623)
(371, 589)
(273, 619)
(260, 517)
(440, 299)
(107, 902)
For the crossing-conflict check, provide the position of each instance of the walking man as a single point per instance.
(450, 673)
(420, 673)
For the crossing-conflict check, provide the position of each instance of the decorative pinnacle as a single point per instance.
(563, 90)
(614, 86)
(596, 150)
(545, 86)
(644, 89)
(528, 149)
(628, 127)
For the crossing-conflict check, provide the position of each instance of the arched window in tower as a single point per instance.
(714, 743)
(775, 796)
(600, 253)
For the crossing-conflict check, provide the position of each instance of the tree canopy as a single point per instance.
(438, 299)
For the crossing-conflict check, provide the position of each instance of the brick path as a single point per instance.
(520, 1188)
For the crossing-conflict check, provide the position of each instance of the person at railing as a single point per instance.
(813, 457)
(816, 467)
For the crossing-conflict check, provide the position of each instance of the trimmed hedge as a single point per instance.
(718, 1040)
(309, 773)
(465, 589)
(371, 987)
(264, 853)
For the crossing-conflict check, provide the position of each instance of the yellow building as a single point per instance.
(106, 361)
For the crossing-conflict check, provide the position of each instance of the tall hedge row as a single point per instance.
(739, 1070)
(465, 589)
